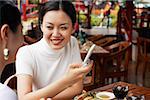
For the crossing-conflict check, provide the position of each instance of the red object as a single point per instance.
(79, 6)
(24, 12)
(76, 27)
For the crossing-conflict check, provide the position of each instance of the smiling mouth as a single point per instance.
(56, 41)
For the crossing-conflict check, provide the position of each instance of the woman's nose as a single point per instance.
(56, 32)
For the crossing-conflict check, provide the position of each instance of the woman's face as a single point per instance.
(57, 28)
(15, 40)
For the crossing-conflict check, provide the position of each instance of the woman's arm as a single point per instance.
(70, 92)
(74, 90)
(74, 75)
(24, 88)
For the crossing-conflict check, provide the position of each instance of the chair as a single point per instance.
(94, 37)
(105, 41)
(12, 82)
(89, 78)
(8, 71)
(143, 57)
(114, 66)
(93, 77)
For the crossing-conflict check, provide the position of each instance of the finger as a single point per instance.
(87, 68)
(91, 63)
(42, 99)
(75, 65)
(49, 99)
(82, 70)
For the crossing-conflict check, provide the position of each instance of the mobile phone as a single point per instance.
(86, 59)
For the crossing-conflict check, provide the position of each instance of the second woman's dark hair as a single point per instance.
(66, 6)
(9, 14)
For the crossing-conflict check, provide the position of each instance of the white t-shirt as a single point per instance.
(6, 93)
(44, 64)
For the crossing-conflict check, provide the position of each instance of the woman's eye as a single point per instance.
(49, 27)
(63, 28)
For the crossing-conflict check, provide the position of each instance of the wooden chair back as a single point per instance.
(94, 37)
(143, 56)
(93, 77)
(90, 77)
(115, 64)
(12, 82)
(105, 41)
(143, 47)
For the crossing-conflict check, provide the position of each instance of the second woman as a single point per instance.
(52, 66)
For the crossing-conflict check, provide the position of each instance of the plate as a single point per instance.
(105, 95)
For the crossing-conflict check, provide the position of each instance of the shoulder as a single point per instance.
(22, 49)
(73, 41)
(28, 48)
(7, 93)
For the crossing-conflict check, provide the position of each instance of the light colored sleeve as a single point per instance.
(6, 93)
(24, 61)
(76, 51)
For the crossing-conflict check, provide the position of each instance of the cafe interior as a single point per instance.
(120, 29)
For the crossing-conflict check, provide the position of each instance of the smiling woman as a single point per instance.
(51, 68)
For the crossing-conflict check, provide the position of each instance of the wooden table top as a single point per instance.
(98, 49)
(133, 89)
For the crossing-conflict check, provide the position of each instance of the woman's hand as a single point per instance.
(46, 99)
(77, 72)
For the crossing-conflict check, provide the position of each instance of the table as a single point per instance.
(99, 30)
(133, 89)
(99, 50)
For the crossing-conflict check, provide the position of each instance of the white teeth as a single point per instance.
(56, 41)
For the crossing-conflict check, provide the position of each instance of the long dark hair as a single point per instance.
(9, 14)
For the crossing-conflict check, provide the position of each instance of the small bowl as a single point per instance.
(105, 95)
